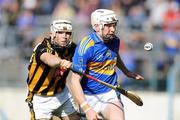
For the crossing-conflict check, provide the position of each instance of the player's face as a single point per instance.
(62, 38)
(109, 30)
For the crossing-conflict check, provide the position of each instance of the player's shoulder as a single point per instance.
(87, 41)
(86, 44)
(45, 44)
(73, 45)
(116, 38)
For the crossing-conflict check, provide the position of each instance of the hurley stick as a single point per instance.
(132, 96)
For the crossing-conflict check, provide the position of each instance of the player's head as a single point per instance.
(102, 20)
(61, 32)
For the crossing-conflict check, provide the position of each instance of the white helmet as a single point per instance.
(102, 17)
(61, 25)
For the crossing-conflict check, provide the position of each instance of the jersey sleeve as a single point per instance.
(82, 55)
(40, 50)
(116, 44)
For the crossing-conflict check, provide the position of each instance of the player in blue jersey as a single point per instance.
(97, 55)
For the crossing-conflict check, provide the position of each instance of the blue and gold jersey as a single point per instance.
(98, 59)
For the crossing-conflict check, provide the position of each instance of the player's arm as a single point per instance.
(128, 73)
(54, 61)
(50, 59)
(121, 65)
(76, 89)
(44, 54)
(77, 92)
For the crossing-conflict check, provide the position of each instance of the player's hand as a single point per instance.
(134, 76)
(91, 115)
(65, 64)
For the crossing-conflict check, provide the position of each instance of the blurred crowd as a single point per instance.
(140, 21)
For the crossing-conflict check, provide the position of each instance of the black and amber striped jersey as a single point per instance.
(43, 79)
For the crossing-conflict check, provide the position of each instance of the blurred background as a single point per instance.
(24, 23)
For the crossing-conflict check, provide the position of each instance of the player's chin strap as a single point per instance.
(30, 104)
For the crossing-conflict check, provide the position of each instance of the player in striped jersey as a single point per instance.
(97, 55)
(48, 70)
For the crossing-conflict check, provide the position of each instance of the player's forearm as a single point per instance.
(51, 60)
(76, 89)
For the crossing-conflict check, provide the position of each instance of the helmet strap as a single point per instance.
(105, 38)
(101, 27)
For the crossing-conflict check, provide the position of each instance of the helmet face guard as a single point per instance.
(61, 26)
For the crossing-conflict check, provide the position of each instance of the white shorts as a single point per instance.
(61, 105)
(100, 101)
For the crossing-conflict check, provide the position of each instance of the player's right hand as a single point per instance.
(91, 115)
(65, 64)
(134, 75)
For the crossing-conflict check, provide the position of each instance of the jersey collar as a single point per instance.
(95, 37)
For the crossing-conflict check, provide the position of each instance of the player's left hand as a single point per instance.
(134, 76)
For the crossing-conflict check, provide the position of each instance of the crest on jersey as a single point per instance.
(108, 54)
(80, 60)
